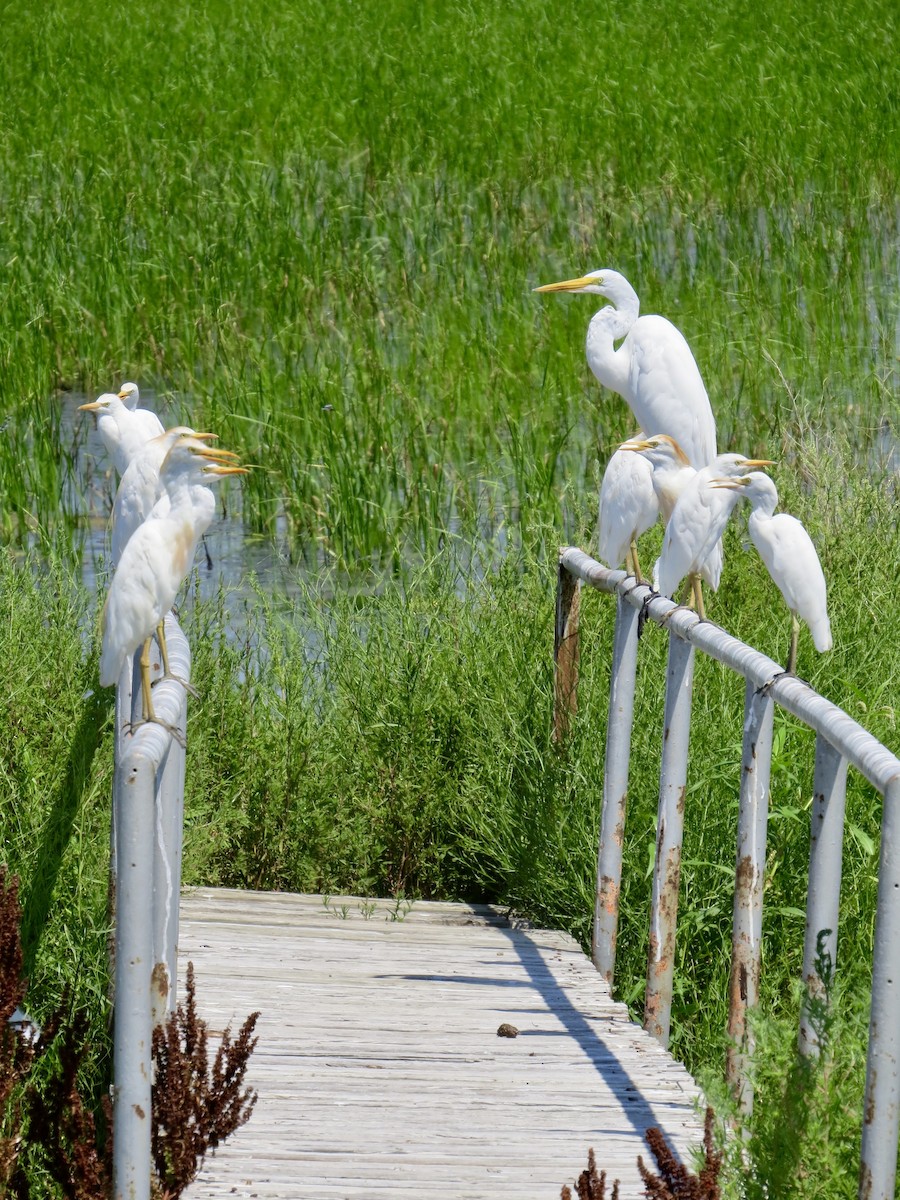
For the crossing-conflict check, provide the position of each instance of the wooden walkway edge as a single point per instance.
(379, 1069)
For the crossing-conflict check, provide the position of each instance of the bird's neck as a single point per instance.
(763, 510)
(606, 328)
(669, 482)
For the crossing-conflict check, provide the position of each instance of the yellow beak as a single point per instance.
(94, 406)
(567, 285)
(759, 462)
(220, 469)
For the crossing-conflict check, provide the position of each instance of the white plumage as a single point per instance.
(123, 430)
(653, 369)
(157, 558)
(628, 507)
(692, 544)
(140, 486)
(791, 560)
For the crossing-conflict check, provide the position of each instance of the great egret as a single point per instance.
(692, 544)
(628, 507)
(653, 370)
(123, 430)
(790, 557)
(157, 558)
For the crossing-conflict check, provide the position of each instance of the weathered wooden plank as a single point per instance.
(379, 1068)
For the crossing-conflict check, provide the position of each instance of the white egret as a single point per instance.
(692, 544)
(147, 420)
(653, 370)
(123, 430)
(790, 557)
(628, 507)
(140, 486)
(139, 490)
(158, 557)
(670, 473)
(670, 469)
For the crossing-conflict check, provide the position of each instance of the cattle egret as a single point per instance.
(653, 370)
(123, 430)
(790, 557)
(157, 558)
(692, 544)
(140, 486)
(628, 507)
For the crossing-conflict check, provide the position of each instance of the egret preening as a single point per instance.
(653, 370)
(628, 507)
(692, 544)
(790, 557)
(158, 557)
(123, 430)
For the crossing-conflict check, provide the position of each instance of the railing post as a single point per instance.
(823, 898)
(615, 787)
(135, 804)
(669, 832)
(565, 652)
(168, 844)
(148, 798)
(746, 939)
(881, 1108)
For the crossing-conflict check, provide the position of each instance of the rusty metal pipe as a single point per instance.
(746, 938)
(824, 893)
(615, 788)
(669, 832)
(881, 1108)
(565, 653)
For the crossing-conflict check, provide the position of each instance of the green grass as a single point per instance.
(314, 228)
(267, 211)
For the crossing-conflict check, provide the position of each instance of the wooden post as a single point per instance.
(565, 653)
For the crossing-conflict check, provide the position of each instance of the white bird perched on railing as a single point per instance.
(139, 490)
(790, 557)
(123, 430)
(670, 469)
(157, 558)
(628, 508)
(140, 486)
(653, 370)
(692, 544)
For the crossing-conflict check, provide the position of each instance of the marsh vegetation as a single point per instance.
(314, 229)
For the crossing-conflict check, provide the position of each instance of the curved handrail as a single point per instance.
(840, 740)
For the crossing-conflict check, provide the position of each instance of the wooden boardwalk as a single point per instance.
(379, 1068)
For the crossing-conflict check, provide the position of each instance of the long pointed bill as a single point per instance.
(218, 453)
(733, 485)
(567, 285)
(94, 406)
(220, 469)
(759, 462)
(636, 444)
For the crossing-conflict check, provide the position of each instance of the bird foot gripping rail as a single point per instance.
(148, 808)
(840, 742)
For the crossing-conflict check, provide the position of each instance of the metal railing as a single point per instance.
(148, 807)
(840, 742)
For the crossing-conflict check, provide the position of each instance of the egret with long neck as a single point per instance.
(791, 560)
(653, 369)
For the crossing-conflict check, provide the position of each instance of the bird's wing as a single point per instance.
(628, 505)
(791, 559)
(667, 391)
